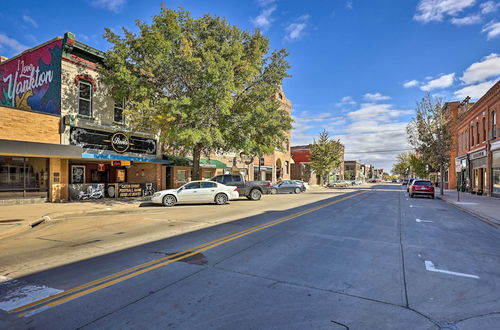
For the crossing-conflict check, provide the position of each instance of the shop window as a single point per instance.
(84, 98)
(261, 161)
(21, 176)
(97, 176)
(182, 175)
(207, 175)
(77, 174)
(118, 111)
(120, 175)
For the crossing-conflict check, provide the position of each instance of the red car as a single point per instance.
(421, 187)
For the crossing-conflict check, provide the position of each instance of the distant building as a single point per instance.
(301, 169)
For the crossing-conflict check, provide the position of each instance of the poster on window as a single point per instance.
(32, 81)
(77, 174)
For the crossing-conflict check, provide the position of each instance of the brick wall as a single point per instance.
(28, 126)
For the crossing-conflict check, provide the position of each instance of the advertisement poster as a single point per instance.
(32, 81)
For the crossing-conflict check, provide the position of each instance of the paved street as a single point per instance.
(369, 259)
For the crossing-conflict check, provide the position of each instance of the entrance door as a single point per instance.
(169, 177)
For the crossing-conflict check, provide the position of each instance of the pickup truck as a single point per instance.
(252, 190)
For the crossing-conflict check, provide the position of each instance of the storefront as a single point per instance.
(114, 164)
(180, 170)
(495, 169)
(478, 164)
(266, 173)
(462, 168)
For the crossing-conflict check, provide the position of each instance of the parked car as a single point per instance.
(305, 184)
(404, 182)
(422, 187)
(372, 180)
(197, 192)
(252, 190)
(287, 187)
(394, 180)
(339, 184)
(410, 181)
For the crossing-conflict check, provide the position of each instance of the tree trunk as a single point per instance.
(441, 181)
(196, 162)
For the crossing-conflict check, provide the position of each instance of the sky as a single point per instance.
(358, 66)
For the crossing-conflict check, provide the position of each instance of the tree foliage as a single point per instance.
(408, 163)
(430, 132)
(201, 84)
(326, 154)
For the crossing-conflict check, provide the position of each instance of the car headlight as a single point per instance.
(156, 194)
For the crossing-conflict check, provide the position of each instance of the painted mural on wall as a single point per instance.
(86, 191)
(32, 81)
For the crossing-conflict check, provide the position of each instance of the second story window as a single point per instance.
(484, 129)
(472, 136)
(494, 124)
(84, 98)
(118, 115)
(466, 140)
(477, 132)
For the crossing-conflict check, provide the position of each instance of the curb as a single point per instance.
(483, 218)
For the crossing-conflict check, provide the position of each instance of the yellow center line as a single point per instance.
(115, 278)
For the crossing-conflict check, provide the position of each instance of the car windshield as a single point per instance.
(422, 183)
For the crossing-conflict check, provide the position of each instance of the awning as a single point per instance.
(123, 157)
(37, 149)
(188, 161)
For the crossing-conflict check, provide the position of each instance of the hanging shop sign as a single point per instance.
(119, 163)
(115, 141)
(458, 165)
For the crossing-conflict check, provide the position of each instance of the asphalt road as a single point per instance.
(371, 259)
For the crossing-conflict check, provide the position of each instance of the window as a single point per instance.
(286, 167)
(192, 185)
(472, 136)
(466, 140)
(235, 178)
(208, 185)
(484, 129)
(182, 175)
(118, 117)
(477, 132)
(494, 124)
(84, 98)
(261, 161)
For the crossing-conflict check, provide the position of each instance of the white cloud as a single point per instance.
(488, 67)
(475, 91)
(264, 3)
(296, 30)
(444, 81)
(111, 5)
(349, 4)
(489, 7)
(467, 20)
(436, 10)
(13, 44)
(379, 112)
(411, 83)
(30, 20)
(345, 101)
(375, 97)
(264, 20)
(492, 30)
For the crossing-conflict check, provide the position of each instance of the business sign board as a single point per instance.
(32, 81)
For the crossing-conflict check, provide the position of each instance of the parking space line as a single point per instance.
(429, 265)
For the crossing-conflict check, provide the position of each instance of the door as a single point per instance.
(207, 191)
(189, 193)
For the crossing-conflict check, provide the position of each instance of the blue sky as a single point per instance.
(358, 67)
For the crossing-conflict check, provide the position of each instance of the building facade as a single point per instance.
(353, 170)
(61, 134)
(478, 144)
(301, 169)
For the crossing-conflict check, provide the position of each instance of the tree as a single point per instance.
(430, 132)
(202, 84)
(408, 163)
(402, 165)
(326, 155)
(418, 166)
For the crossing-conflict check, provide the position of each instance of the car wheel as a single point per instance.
(220, 199)
(169, 200)
(274, 191)
(296, 190)
(255, 194)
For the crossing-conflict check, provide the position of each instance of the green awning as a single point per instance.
(204, 162)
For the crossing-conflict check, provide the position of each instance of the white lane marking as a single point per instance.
(17, 293)
(430, 267)
(415, 206)
(465, 203)
(420, 220)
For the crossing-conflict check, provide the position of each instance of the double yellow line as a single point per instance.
(126, 274)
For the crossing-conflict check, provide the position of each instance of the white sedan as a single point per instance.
(197, 192)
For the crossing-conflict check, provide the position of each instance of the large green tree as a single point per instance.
(430, 132)
(201, 84)
(326, 155)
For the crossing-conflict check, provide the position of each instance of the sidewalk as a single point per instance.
(483, 207)
(16, 218)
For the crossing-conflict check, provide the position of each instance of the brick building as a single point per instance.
(62, 136)
(301, 169)
(478, 144)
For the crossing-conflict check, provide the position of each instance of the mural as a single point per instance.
(86, 191)
(32, 81)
